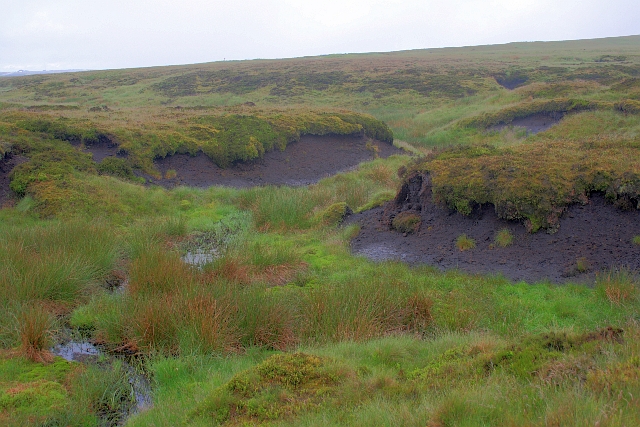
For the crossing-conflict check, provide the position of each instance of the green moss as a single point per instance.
(116, 167)
(534, 182)
(335, 213)
(37, 398)
(281, 386)
(378, 199)
(527, 359)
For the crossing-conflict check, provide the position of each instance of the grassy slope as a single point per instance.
(394, 345)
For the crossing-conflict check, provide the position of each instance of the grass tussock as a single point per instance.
(465, 243)
(503, 238)
(406, 222)
(35, 328)
(619, 286)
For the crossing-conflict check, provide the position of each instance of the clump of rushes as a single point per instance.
(34, 326)
(503, 238)
(636, 240)
(618, 286)
(406, 222)
(464, 243)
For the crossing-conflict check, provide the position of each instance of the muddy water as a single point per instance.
(199, 258)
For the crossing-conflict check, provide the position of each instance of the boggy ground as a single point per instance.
(301, 163)
(592, 238)
(534, 123)
(6, 166)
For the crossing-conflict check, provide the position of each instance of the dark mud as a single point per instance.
(596, 236)
(6, 166)
(301, 163)
(511, 83)
(533, 124)
(102, 148)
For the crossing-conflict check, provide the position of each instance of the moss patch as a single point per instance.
(279, 387)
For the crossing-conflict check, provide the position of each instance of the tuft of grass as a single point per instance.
(335, 213)
(105, 392)
(278, 388)
(619, 286)
(465, 243)
(636, 240)
(503, 238)
(35, 328)
(406, 222)
(582, 265)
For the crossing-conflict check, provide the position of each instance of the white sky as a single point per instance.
(99, 34)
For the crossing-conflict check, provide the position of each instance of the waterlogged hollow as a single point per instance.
(87, 353)
(199, 258)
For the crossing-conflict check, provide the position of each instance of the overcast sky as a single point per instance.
(99, 34)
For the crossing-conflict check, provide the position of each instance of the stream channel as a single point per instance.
(85, 352)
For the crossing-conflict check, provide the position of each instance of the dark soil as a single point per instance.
(533, 124)
(301, 163)
(511, 83)
(6, 166)
(102, 148)
(596, 235)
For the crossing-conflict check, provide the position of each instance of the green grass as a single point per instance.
(286, 327)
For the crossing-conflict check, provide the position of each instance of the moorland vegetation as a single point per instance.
(283, 326)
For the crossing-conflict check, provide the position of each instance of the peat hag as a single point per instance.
(591, 238)
(302, 163)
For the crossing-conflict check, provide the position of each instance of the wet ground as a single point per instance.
(533, 124)
(87, 353)
(301, 163)
(591, 239)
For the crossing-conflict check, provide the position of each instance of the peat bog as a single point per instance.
(591, 239)
(303, 162)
